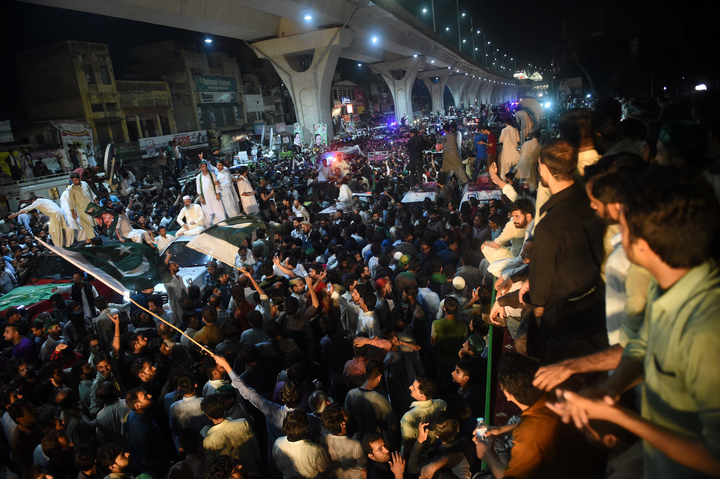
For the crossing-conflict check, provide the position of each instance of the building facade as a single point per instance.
(205, 88)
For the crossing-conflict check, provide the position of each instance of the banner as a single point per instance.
(298, 134)
(74, 132)
(280, 127)
(259, 127)
(217, 97)
(48, 157)
(215, 83)
(150, 147)
(6, 135)
(127, 151)
(320, 136)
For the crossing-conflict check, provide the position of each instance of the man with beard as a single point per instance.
(79, 197)
(513, 233)
(565, 287)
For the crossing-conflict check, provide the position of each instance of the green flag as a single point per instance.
(122, 266)
(221, 240)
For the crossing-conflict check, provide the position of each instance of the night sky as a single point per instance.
(524, 30)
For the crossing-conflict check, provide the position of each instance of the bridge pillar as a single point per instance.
(436, 81)
(400, 76)
(456, 84)
(306, 64)
(487, 91)
(469, 94)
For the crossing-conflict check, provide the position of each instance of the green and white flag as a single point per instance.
(222, 240)
(122, 266)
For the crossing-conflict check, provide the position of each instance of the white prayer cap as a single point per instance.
(186, 197)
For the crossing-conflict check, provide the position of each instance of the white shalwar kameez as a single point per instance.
(56, 225)
(73, 230)
(194, 218)
(510, 155)
(79, 197)
(249, 203)
(133, 234)
(227, 193)
(213, 207)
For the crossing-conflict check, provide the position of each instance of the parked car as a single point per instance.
(192, 264)
(50, 268)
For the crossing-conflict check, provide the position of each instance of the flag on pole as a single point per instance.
(122, 266)
(222, 240)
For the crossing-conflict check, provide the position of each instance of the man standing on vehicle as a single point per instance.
(481, 153)
(80, 195)
(56, 225)
(415, 147)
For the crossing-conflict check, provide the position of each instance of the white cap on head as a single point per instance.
(398, 255)
(186, 197)
(458, 283)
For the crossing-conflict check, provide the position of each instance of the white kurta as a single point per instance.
(194, 218)
(213, 207)
(79, 197)
(56, 223)
(345, 198)
(249, 203)
(510, 155)
(73, 231)
(62, 159)
(227, 195)
(133, 234)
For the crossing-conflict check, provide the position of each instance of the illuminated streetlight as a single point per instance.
(424, 10)
(374, 39)
(700, 87)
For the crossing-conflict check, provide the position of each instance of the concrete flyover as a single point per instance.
(381, 33)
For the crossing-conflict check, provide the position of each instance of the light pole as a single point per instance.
(472, 34)
(432, 7)
(457, 6)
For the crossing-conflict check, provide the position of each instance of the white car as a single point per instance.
(193, 264)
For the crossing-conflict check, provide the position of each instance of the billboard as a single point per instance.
(150, 147)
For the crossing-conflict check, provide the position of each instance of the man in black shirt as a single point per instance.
(565, 286)
(415, 161)
(380, 465)
(264, 199)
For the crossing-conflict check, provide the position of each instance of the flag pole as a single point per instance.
(82, 267)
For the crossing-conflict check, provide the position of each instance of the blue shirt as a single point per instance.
(480, 150)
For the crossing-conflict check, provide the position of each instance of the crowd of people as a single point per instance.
(350, 338)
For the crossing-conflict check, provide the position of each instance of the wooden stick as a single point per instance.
(83, 267)
(171, 325)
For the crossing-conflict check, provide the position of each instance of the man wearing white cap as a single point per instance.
(459, 294)
(191, 219)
